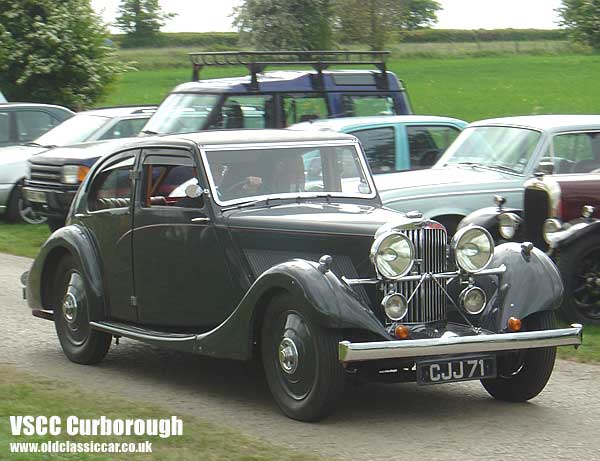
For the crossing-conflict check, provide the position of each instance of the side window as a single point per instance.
(112, 186)
(165, 179)
(576, 152)
(125, 128)
(380, 147)
(4, 127)
(358, 106)
(303, 108)
(426, 144)
(240, 112)
(31, 124)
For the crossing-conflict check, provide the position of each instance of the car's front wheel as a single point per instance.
(522, 375)
(300, 360)
(20, 211)
(79, 342)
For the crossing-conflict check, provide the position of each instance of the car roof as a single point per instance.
(120, 111)
(550, 123)
(341, 123)
(25, 105)
(223, 137)
(297, 80)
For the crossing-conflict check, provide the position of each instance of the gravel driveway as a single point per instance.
(375, 422)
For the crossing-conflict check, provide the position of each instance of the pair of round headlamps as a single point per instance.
(394, 254)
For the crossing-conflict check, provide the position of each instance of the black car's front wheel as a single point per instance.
(300, 360)
(523, 374)
(79, 342)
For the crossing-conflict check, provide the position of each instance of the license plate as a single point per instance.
(35, 196)
(453, 370)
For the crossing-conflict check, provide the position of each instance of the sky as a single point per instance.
(214, 15)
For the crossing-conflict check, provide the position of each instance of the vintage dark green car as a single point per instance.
(274, 245)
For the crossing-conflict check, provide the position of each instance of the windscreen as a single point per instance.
(79, 128)
(505, 148)
(245, 175)
(182, 113)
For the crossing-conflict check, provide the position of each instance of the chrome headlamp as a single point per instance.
(473, 248)
(393, 255)
(551, 227)
(508, 223)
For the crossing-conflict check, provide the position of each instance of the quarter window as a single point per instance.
(380, 147)
(577, 152)
(112, 186)
(426, 144)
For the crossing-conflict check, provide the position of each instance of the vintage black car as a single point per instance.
(561, 216)
(233, 245)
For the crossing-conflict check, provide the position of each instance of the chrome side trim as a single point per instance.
(358, 352)
(141, 335)
(416, 278)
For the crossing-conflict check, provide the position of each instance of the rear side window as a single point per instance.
(112, 186)
(426, 144)
(380, 147)
(4, 127)
(362, 105)
(31, 124)
(303, 108)
(125, 128)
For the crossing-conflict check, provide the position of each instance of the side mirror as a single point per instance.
(545, 167)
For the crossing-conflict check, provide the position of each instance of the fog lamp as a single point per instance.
(395, 306)
(402, 332)
(473, 300)
(514, 324)
(507, 225)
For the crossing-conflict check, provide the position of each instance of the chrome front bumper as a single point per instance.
(413, 348)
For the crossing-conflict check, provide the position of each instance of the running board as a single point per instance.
(180, 341)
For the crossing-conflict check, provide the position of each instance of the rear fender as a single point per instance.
(329, 302)
(71, 240)
(530, 284)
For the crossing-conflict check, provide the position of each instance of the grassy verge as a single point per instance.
(22, 239)
(24, 394)
(589, 352)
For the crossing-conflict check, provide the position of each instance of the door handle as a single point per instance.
(200, 219)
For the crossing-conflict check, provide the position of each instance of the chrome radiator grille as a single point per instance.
(428, 302)
(45, 174)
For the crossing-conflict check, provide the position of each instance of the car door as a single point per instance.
(427, 143)
(7, 128)
(381, 145)
(180, 276)
(110, 195)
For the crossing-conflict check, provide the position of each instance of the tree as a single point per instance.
(141, 20)
(54, 52)
(371, 21)
(582, 19)
(284, 24)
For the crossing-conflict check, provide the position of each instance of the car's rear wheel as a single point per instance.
(580, 269)
(300, 361)
(79, 342)
(19, 211)
(522, 375)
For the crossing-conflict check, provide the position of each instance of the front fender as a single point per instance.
(75, 241)
(577, 230)
(328, 300)
(488, 219)
(530, 284)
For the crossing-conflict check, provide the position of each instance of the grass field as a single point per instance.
(22, 239)
(467, 88)
(25, 394)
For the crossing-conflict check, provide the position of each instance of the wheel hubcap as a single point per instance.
(288, 356)
(586, 288)
(70, 308)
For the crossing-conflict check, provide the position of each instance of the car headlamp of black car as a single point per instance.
(508, 223)
(473, 248)
(393, 255)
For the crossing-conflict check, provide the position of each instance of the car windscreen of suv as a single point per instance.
(239, 176)
(182, 113)
(72, 131)
(504, 148)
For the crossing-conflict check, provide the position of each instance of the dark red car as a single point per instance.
(561, 216)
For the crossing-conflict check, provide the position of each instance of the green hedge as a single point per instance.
(480, 35)
(213, 40)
